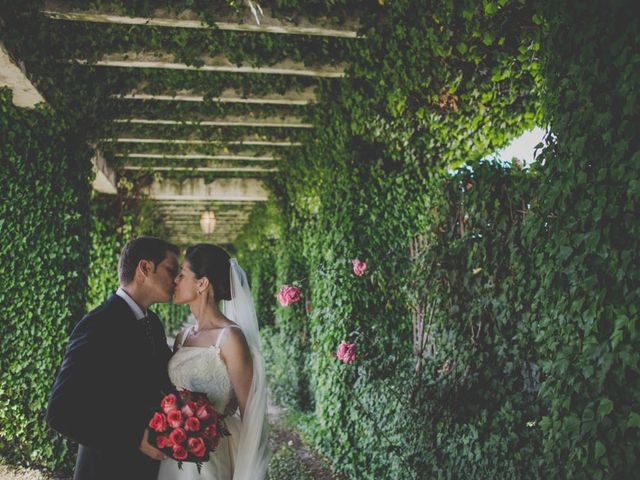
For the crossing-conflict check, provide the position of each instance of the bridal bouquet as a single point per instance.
(187, 427)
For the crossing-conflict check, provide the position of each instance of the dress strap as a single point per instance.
(224, 330)
(185, 334)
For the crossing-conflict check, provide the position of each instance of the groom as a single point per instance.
(115, 369)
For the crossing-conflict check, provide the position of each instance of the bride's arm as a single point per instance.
(235, 352)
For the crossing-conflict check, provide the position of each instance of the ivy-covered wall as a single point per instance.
(587, 287)
(526, 278)
(44, 255)
(115, 220)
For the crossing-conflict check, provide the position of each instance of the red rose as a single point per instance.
(189, 410)
(179, 453)
(174, 417)
(168, 403)
(158, 422)
(192, 424)
(212, 436)
(197, 446)
(162, 441)
(212, 413)
(201, 400)
(178, 436)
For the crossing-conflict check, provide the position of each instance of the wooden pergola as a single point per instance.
(240, 185)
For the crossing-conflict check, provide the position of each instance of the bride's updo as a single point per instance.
(211, 261)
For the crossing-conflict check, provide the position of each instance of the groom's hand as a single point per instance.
(148, 450)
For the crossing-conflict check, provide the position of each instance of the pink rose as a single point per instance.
(519, 163)
(178, 436)
(189, 409)
(359, 267)
(163, 442)
(346, 352)
(192, 424)
(174, 418)
(158, 422)
(289, 294)
(179, 452)
(203, 413)
(168, 403)
(197, 446)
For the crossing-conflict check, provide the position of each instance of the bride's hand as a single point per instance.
(148, 450)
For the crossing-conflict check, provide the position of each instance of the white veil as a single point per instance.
(252, 452)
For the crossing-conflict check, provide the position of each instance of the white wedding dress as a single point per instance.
(201, 369)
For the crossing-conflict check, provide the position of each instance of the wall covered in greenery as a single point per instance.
(587, 290)
(115, 220)
(44, 254)
(525, 279)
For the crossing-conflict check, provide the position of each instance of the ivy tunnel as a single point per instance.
(428, 308)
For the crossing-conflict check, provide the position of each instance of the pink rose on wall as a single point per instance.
(359, 267)
(289, 294)
(346, 352)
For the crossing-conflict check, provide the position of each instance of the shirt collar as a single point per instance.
(135, 308)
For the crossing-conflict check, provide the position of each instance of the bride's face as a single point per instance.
(186, 285)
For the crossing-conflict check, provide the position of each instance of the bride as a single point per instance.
(220, 356)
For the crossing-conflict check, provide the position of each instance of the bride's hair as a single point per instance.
(211, 261)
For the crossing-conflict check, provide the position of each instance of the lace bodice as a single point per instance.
(202, 369)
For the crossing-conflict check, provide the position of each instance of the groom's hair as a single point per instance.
(148, 248)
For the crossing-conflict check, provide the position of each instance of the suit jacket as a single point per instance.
(111, 380)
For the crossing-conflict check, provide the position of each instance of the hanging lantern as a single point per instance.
(208, 222)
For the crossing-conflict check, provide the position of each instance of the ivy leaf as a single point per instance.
(600, 449)
(462, 48)
(490, 8)
(633, 421)
(605, 407)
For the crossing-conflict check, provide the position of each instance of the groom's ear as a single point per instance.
(145, 267)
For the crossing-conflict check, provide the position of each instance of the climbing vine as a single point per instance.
(44, 253)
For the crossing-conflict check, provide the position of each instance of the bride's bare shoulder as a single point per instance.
(236, 341)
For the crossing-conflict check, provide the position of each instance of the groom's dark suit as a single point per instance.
(111, 379)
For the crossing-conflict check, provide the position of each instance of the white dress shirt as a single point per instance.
(135, 308)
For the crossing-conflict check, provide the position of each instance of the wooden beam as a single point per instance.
(193, 209)
(189, 19)
(305, 97)
(194, 216)
(195, 225)
(220, 239)
(248, 142)
(212, 64)
(25, 94)
(195, 219)
(226, 122)
(196, 210)
(220, 225)
(199, 156)
(202, 169)
(235, 205)
(222, 189)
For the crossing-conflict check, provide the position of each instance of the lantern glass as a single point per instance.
(208, 222)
